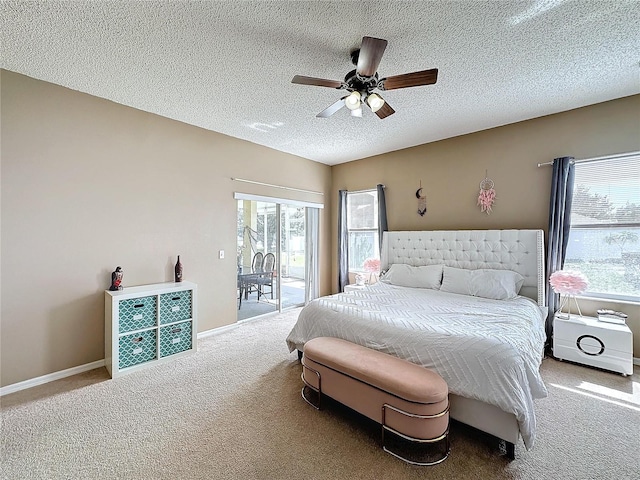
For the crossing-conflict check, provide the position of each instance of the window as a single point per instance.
(362, 223)
(604, 242)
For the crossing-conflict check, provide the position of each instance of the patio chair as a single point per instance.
(250, 282)
(266, 279)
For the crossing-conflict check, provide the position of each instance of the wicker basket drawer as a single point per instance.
(175, 306)
(137, 313)
(175, 338)
(137, 348)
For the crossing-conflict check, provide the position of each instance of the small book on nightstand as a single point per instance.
(610, 316)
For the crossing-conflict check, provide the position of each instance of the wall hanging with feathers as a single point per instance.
(487, 195)
(422, 201)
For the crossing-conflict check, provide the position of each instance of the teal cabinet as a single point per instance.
(149, 324)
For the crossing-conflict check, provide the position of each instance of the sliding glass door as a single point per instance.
(257, 258)
(292, 255)
(277, 248)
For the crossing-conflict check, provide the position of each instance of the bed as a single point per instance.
(488, 348)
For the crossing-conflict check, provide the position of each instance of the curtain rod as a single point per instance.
(275, 186)
(599, 159)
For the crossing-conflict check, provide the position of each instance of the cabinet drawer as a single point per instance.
(137, 313)
(137, 348)
(175, 306)
(175, 338)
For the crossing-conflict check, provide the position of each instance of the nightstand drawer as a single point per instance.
(609, 359)
(611, 336)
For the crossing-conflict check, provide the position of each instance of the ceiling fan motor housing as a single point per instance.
(358, 83)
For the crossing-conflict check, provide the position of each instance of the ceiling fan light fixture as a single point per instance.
(353, 101)
(375, 102)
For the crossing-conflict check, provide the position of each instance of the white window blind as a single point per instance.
(604, 242)
(362, 223)
(607, 191)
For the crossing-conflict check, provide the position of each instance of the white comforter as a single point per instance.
(488, 350)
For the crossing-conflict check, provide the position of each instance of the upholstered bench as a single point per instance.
(408, 400)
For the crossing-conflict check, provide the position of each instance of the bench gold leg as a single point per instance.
(308, 385)
(444, 437)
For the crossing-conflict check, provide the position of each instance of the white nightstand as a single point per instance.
(354, 288)
(590, 342)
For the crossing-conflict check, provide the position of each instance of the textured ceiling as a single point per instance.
(227, 65)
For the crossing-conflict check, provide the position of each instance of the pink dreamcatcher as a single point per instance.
(487, 195)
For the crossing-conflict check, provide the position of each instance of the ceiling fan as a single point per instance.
(362, 81)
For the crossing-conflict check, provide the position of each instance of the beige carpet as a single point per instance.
(234, 411)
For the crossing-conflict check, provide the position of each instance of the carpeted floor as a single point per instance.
(234, 411)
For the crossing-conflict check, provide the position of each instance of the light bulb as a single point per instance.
(375, 102)
(353, 101)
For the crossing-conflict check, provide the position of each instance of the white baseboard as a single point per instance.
(34, 382)
(16, 387)
(636, 361)
(239, 323)
(217, 330)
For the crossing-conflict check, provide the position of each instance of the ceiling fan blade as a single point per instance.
(415, 79)
(331, 109)
(385, 111)
(357, 112)
(370, 55)
(320, 82)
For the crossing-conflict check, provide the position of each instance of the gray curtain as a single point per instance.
(343, 242)
(559, 226)
(382, 214)
(312, 222)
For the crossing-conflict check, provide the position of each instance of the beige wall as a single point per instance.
(451, 171)
(87, 185)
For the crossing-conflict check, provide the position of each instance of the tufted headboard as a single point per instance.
(518, 250)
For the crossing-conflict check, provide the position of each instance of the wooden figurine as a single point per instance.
(116, 280)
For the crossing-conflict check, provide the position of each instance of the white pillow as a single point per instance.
(403, 275)
(485, 283)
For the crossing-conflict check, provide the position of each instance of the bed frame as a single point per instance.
(518, 250)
